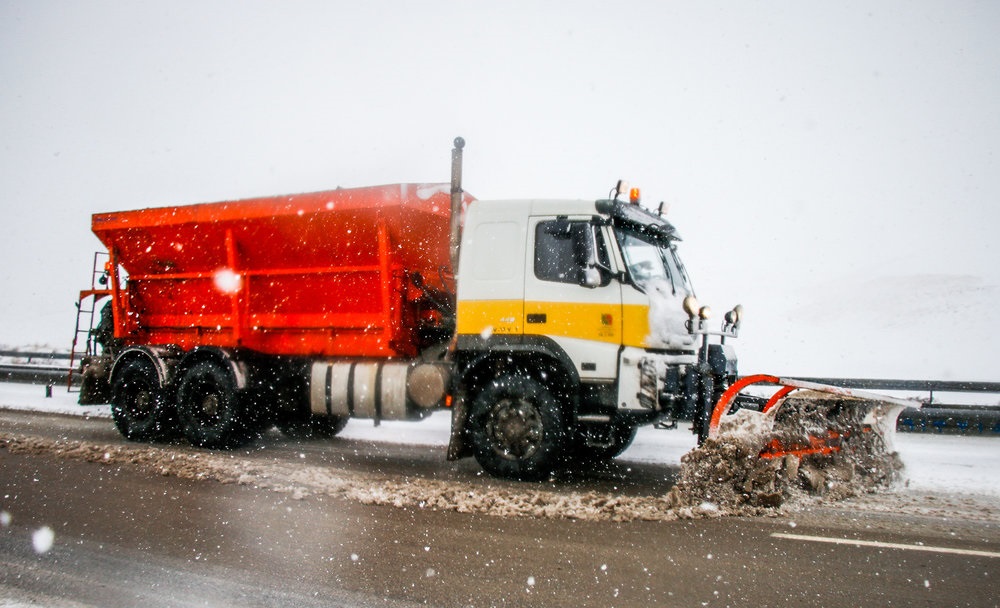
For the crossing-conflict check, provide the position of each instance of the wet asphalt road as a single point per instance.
(125, 538)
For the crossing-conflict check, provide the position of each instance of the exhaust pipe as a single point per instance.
(456, 201)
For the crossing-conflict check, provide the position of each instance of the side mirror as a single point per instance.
(591, 277)
(583, 246)
(585, 256)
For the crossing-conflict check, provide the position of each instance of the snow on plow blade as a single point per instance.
(824, 441)
(843, 412)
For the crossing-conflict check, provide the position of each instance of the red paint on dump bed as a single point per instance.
(325, 273)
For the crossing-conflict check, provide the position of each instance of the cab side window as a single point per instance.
(565, 251)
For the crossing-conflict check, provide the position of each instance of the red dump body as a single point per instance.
(319, 274)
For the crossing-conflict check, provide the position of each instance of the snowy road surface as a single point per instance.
(279, 534)
(123, 538)
(116, 536)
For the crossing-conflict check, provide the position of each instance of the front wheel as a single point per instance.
(516, 429)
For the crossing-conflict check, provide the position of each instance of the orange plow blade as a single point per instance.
(832, 416)
(806, 438)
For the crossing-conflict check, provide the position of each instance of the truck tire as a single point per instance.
(210, 410)
(516, 429)
(138, 407)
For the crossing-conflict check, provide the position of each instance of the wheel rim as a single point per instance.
(138, 401)
(207, 401)
(515, 429)
(210, 405)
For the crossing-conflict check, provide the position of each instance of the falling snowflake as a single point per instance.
(42, 539)
(227, 281)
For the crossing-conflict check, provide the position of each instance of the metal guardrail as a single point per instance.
(964, 421)
(36, 374)
(29, 355)
(934, 417)
(923, 386)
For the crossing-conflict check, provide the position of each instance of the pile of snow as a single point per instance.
(728, 472)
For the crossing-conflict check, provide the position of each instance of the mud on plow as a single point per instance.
(804, 439)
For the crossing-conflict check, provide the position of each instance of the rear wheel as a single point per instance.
(211, 412)
(516, 429)
(137, 405)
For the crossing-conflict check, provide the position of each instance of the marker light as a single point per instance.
(633, 196)
(734, 316)
(691, 306)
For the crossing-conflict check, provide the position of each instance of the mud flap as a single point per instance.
(458, 447)
(95, 383)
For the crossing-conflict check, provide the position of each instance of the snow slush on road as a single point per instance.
(947, 477)
(725, 476)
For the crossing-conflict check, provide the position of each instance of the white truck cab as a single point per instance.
(576, 323)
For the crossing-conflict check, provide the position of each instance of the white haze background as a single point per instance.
(831, 166)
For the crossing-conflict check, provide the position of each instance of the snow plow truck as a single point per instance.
(549, 328)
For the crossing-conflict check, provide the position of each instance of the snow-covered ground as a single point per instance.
(934, 463)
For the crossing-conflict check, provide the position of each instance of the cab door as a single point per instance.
(570, 295)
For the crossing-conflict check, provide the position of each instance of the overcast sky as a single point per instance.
(832, 166)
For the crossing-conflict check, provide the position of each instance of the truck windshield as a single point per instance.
(648, 263)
